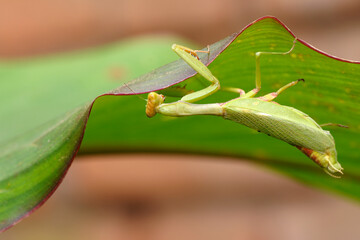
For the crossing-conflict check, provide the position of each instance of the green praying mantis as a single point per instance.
(261, 113)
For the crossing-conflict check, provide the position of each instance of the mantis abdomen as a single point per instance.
(281, 122)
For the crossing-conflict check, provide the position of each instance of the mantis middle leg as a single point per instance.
(257, 88)
(271, 96)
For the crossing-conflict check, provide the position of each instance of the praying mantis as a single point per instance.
(261, 113)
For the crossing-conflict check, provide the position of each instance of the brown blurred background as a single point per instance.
(179, 196)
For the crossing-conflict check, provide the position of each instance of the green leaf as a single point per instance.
(45, 106)
(32, 164)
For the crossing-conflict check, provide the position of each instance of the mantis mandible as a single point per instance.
(262, 114)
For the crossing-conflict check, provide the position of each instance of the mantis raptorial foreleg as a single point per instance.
(271, 96)
(191, 51)
(178, 48)
(190, 57)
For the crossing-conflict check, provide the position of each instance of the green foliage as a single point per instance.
(45, 105)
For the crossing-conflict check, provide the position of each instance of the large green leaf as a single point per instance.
(33, 160)
(45, 106)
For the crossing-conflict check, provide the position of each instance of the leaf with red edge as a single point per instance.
(32, 165)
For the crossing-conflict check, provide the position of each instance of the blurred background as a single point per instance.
(178, 196)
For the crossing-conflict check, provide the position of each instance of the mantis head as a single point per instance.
(153, 101)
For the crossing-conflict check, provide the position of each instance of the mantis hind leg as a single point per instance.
(333, 124)
(257, 88)
(271, 96)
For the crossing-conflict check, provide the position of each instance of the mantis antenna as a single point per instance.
(136, 94)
